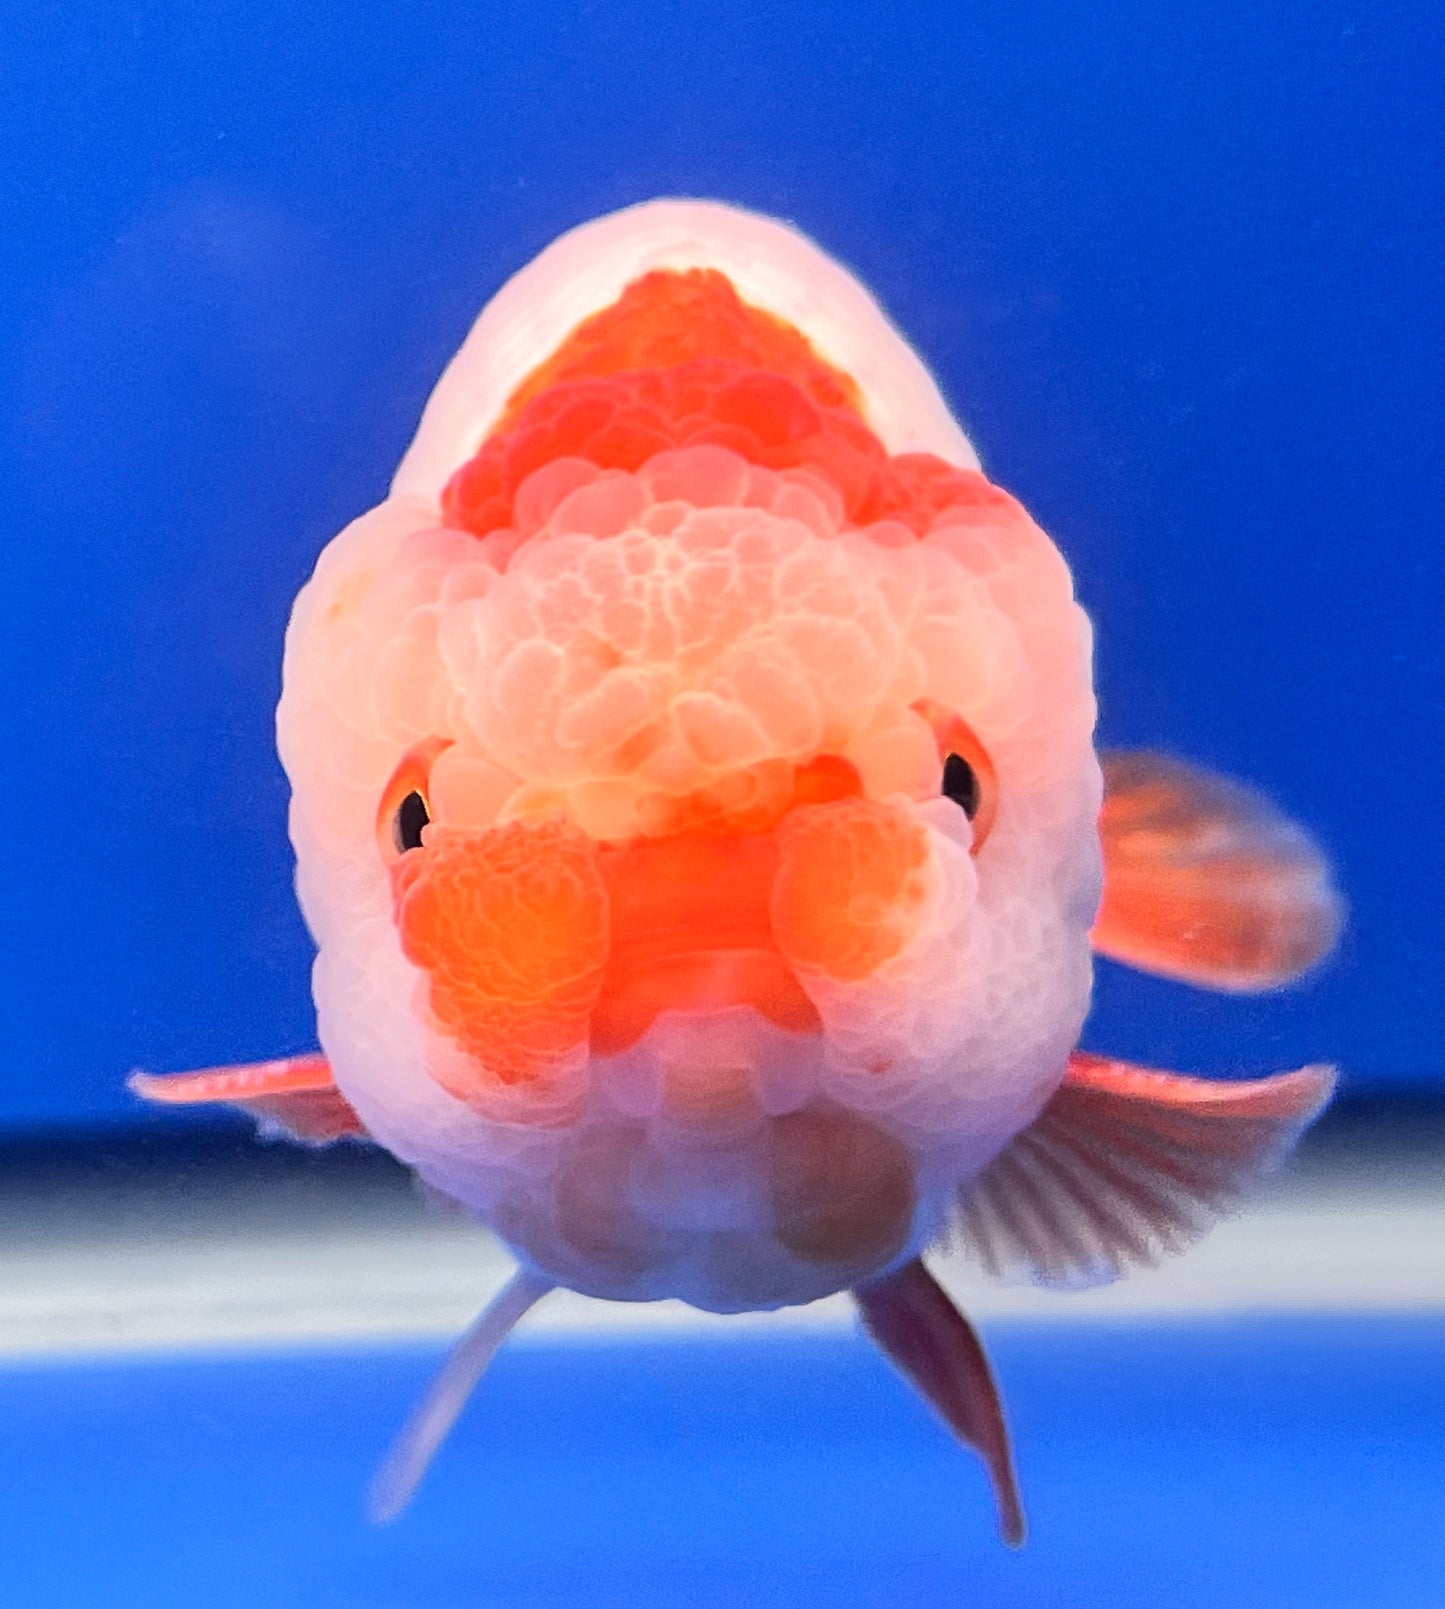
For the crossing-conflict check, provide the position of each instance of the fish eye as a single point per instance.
(968, 776)
(405, 805)
(968, 779)
(406, 825)
(960, 783)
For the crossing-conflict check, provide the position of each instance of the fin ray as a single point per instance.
(1126, 1165)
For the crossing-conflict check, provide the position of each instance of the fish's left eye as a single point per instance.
(969, 778)
(405, 805)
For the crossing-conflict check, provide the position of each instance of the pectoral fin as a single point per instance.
(295, 1097)
(912, 1319)
(1125, 1165)
(1205, 881)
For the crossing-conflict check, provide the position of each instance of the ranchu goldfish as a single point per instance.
(697, 812)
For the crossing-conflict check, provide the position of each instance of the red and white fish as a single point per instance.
(696, 809)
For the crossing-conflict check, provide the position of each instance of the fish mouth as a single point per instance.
(692, 931)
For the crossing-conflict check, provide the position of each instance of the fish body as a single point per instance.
(697, 812)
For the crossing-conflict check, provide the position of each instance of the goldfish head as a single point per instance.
(693, 786)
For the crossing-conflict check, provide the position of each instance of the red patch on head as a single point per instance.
(672, 316)
(623, 420)
(680, 360)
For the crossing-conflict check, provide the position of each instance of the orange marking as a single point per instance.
(691, 926)
(619, 421)
(669, 317)
(511, 925)
(920, 486)
(850, 887)
(757, 799)
(680, 360)
(691, 931)
(824, 779)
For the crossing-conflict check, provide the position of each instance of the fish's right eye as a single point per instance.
(961, 784)
(411, 816)
(405, 808)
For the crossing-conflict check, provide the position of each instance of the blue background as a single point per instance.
(761, 1474)
(1176, 267)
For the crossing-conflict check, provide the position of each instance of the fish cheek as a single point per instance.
(852, 886)
(510, 928)
(842, 1191)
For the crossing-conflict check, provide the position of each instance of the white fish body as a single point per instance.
(696, 810)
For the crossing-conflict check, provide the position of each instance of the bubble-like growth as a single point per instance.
(509, 926)
(669, 317)
(696, 983)
(620, 421)
(668, 628)
(851, 886)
